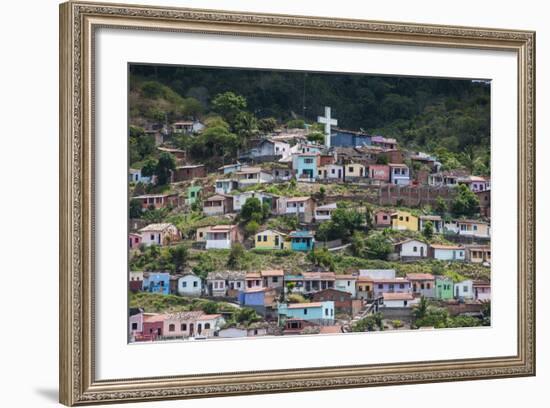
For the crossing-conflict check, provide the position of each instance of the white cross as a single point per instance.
(328, 121)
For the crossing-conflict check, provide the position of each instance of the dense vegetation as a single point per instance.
(447, 117)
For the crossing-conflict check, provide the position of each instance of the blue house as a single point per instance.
(305, 165)
(349, 138)
(317, 311)
(262, 300)
(157, 282)
(301, 241)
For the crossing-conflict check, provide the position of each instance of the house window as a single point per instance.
(183, 327)
(407, 219)
(195, 284)
(259, 238)
(333, 171)
(308, 161)
(265, 238)
(305, 311)
(350, 169)
(415, 249)
(385, 217)
(421, 286)
(400, 218)
(207, 326)
(401, 286)
(326, 312)
(215, 285)
(465, 289)
(427, 286)
(172, 328)
(275, 279)
(152, 237)
(380, 286)
(134, 326)
(184, 284)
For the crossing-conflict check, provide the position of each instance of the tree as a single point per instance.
(346, 221)
(316, 137)
(179, 255)
(165, 165)
(149, 168)
(382, 159)
(428, 230)
(440, 205)
(209, 307)
(228, 105)
(140, 144)
(193, 107)
(358, 244)
(267, 125)
(421, 310)
(216, 144)
(465, 202)
(251, 228)
(246, 316)
(245, 126)
(135, 208)
(235, 256)
(252, 209)
(296, 124)
(378, 246)
(369, 217)
(369, 323)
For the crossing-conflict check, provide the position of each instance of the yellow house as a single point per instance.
(403, 220)
(271, 239)
(354, 170)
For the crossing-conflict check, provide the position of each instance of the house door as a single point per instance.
(199, 328)
(191, 329)
(422, 251)
(414, 287)
(325, 174)
(339, 173)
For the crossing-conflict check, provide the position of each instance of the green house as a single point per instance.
(193, 193)
(443, 288)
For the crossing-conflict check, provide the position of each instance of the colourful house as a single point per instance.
(393, 285)
(193, 194)
(403, 220)
(305, 166)
(354, 171)
(447, 252)
(271, 239)
(399, 174)
(443, 288)
(157, 282)
(382, 218)
(478, 253)
(436, 220)
(301, 207)
(316, 311)
(221, 236)
(422, 284)
(482, 290)
(159, 234)
(301, 241)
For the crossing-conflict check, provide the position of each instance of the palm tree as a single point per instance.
(422, 309)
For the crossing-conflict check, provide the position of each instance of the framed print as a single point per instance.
(256, 203)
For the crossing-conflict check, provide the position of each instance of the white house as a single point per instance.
(159, 234)
(448, 252)
(225, 186)
(412, 248)
(464, 289)
(324, 212)
(399, 174)
(190, 285)
(398, 300)
(221, 236)
(346, 283)
(135, 176)
(248, 176)
(270, 147)
(331, 172)
(476, 183)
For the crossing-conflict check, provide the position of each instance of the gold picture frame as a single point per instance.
(78, 22)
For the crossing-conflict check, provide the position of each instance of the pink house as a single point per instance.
(380, 172)
(134, 240)
(382, 218)
(482, 290)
